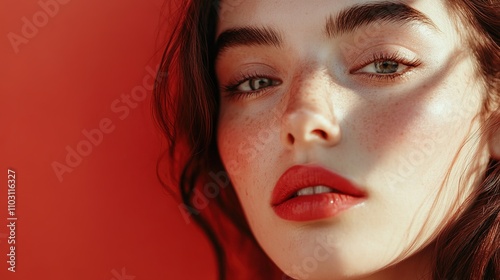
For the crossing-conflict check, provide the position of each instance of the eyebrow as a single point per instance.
(346, 21)
(248, 36)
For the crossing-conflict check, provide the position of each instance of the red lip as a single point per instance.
(315, 206)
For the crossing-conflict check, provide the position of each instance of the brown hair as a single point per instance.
(469, 247)
(186, 106)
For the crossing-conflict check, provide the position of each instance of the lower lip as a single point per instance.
(315, 207)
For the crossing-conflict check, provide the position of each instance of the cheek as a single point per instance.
(382, 128)
(408, 146)
(230, 139)
(246, 145)
(249, 147)
(425, 116)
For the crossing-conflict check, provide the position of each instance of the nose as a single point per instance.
(310, 120)
(306, 127)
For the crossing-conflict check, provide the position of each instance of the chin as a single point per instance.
(317, 259)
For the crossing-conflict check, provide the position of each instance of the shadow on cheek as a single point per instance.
(404, 119)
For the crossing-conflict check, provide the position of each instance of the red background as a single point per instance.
(110, 212)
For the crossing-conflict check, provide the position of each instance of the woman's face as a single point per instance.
(382, 95)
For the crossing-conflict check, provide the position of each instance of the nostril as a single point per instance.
(320, 133)
(306, 128)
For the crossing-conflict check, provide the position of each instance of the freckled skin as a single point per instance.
(396, 139)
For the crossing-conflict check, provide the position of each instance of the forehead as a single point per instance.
(237, 13)
(299, 16)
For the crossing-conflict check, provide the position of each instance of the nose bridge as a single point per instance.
(309, 116)
(310, 91)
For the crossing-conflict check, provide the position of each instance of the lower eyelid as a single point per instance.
(377, 78)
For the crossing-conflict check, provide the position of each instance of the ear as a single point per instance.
(494, 142)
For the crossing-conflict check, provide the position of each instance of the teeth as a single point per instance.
(314, 190)
(322, 189)
(306, 191)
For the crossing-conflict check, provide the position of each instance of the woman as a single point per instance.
(338, 139)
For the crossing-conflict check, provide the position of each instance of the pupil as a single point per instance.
(258, 83)
(386, 66)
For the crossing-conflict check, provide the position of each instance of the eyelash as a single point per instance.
(232, 87)
(396, 57)
(234, 93)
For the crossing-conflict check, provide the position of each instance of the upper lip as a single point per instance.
(303, 176)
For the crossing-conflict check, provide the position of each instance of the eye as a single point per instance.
(255, 84)
(249, 86)
(383, 67)
(386, 66)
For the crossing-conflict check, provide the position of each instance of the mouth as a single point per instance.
(311, 192)
(314, 190)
